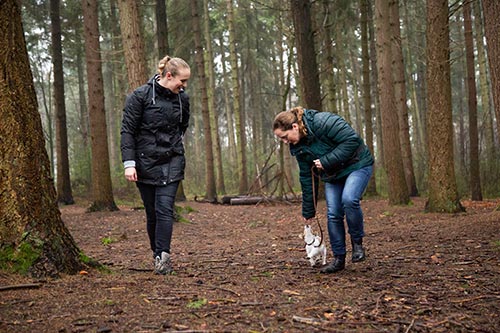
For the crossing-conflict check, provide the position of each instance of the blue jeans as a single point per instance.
(159, 205)
(342, 198)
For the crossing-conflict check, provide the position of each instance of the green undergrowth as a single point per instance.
(180, 211)
(90, 262)
(20, 259)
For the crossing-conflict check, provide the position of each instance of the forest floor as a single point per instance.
(243, 269)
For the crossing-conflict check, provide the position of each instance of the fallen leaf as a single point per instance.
(329, 315)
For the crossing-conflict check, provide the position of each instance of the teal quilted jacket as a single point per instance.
(339, 148)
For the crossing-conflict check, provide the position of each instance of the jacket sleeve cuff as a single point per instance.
(129, 164)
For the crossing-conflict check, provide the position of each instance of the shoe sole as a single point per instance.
(331, 272)
(358, 260)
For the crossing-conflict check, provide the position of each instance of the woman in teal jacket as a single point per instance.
(327, 147)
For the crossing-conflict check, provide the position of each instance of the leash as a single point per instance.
(316, 207)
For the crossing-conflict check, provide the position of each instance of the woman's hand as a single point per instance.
(317, 164)
(131, 174)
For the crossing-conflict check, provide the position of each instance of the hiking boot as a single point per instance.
(358, 253)
(336, 265)
(163, 264)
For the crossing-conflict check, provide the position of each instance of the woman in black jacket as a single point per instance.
(155, 118)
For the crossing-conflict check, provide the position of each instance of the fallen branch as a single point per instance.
(306, 320)
(21, 286)
(247, 200)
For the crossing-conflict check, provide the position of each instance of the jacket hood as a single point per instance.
(153, 81)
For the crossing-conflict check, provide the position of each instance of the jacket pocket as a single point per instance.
(174, 171)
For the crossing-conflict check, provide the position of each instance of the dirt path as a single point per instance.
(243, 269)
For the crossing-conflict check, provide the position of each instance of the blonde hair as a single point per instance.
(284, 120)
(172, 65)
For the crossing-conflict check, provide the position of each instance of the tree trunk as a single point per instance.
(284, 156)
(214, 117)
(162, 28)
(374, 83)
(102, 193)
(64, 194)
(491, 8)
(211, 194)
(49, 135)
(116, 87)
(83, 120)
(358, 125)
(400, 98)
(328, 58)
(133, 43)
(306, 54)
(475, 179)
(460, 144)
(32, 233)
(417, 109)
(398, 190)
(238, 114)
(366, 89)
(228, 108)
(344, 110)
(489, 154)
(443, 195)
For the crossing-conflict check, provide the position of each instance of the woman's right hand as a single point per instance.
(131, 174)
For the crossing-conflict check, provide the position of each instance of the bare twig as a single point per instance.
(410, 326)
(463, 300)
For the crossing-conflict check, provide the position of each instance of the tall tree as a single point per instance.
(133, 43)
(375, 96)
(214, 118)
(238, 113)
(400, 99)
(114, 84)
(443, 194)
(486, 114)
(398, 190)
(31, 229)
(413, 57)
(491, 8)
(211, 193)
(102, 192)
(366, 88)
(162, 28)
(228, 107)
(328, 58)
(64, 194)
(306, 54)
(475, 179)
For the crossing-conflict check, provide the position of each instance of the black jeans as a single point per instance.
(159, 205)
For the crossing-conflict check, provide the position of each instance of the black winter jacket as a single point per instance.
(153, 125)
